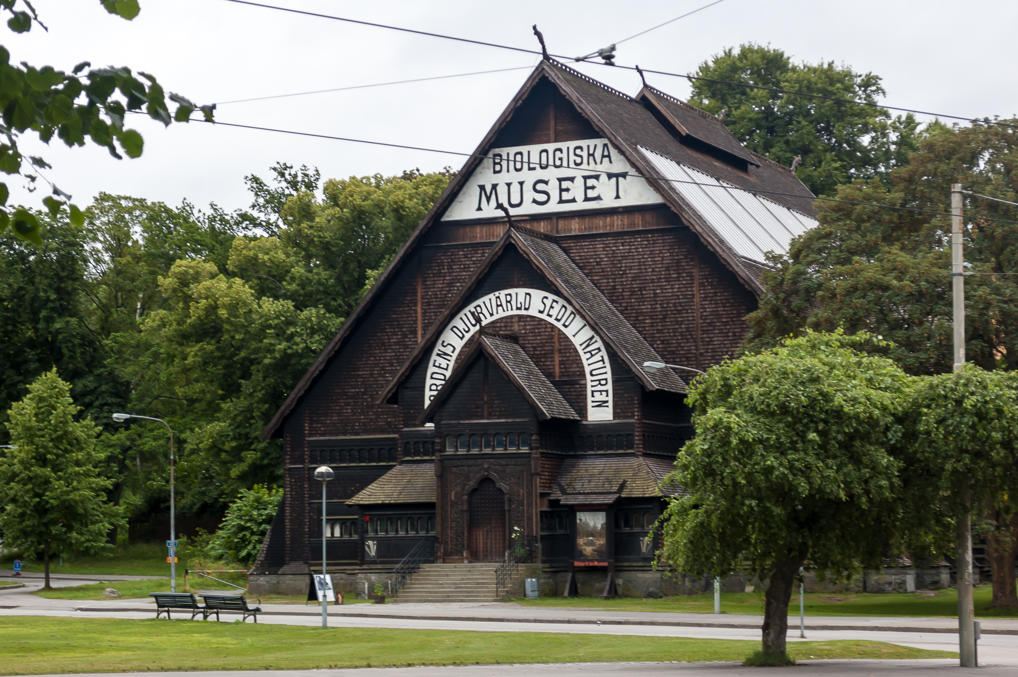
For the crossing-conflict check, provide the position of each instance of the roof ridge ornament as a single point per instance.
(540, 38)
(505, 210)
(642, 76)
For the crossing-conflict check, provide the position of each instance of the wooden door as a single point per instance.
(486, 533)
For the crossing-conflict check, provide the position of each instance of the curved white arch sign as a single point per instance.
(535, 303)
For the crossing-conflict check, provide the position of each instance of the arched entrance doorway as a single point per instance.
(486, 530)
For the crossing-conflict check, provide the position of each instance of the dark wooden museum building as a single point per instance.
(492, 393)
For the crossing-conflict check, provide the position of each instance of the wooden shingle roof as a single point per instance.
(411, 482)
(521, 370)
(626, 476)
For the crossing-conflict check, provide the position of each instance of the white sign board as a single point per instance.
(551, 177)
(535, 303)
(323, 584)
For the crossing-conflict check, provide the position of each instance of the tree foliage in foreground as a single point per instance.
(86, 105)
(52, 490)
(879, 261)
(963, 425)
(814, 115)
(796, 459)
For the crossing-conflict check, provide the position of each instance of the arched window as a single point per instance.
(499, 441)
(475, 442)
(524, 440)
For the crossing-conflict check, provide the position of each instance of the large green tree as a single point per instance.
(785, 110)
(794, 460)
(966, 445)
(52, 491)
(216, 360)
(87, 105)
(42, 322)
(354, 229)
(879, 261)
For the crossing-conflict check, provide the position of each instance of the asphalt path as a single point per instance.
(998, 648)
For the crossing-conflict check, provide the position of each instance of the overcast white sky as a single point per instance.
(948, 57)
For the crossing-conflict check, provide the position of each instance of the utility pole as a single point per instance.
(966, 611)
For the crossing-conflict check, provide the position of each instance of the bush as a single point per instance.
(243, 529)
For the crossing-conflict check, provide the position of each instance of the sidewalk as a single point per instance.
(511, 612)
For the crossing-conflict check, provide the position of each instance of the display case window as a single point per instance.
(591, 535)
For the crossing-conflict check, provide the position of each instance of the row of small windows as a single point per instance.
(400, 525)
(618, 442)
(557, 522)
(487, 442)
(418, 448)
(389, 525)
(638, 520)
(345, 528)
(362, 455)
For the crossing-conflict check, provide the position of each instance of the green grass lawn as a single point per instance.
(141, 559)
(4, 584)
(36, 645)
(926, 603)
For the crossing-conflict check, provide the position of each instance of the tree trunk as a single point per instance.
(1002, 550)
(779, 592)
(45, 568)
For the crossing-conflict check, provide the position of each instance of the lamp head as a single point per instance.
(324, 473)
(652, 366)
(120, 417)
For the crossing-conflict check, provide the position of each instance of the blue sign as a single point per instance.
(17, 567)
(171, 544)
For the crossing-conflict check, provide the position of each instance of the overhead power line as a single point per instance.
(427, 149)
(686, 76)
(670, 21)
(372, 24)
(371, 85)
(990, 197)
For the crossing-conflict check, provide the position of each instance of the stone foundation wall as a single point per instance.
(356, 582)
(360, 582)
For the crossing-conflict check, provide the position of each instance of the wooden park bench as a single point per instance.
(216, 603)
(184, 601)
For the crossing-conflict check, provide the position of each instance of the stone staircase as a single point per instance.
(451, 583)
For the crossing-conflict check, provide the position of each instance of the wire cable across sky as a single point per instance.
(771, 193)
(566, 58)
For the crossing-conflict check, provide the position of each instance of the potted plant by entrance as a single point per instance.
(379, 594)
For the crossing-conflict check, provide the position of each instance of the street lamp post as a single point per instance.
(323, 474)
(171, 545)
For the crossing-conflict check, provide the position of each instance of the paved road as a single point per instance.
(998, 649)
(803, 669)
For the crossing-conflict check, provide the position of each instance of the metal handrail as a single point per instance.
(423, 551)
(523, 549)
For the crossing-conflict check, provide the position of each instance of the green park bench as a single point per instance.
(183, 601)
(216, 603)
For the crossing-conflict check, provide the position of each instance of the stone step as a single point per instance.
(450, 583)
